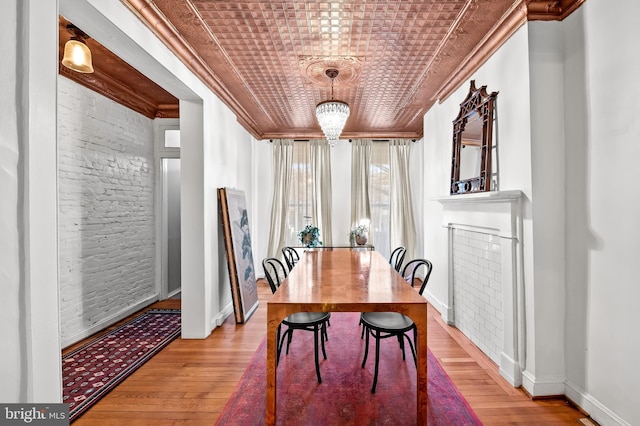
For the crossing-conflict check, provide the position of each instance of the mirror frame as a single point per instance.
(477, 100)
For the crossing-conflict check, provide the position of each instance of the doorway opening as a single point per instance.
(168, 133)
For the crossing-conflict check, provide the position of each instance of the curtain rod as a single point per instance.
(382, 140)
(373, 140)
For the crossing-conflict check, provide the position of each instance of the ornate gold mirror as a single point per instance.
(472, 140)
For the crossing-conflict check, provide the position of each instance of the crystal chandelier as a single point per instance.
(332, 115)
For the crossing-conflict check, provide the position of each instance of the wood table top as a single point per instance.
(345, 280)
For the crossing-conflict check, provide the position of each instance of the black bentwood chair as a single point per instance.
(291, 257)
(382, 325)
(276, 272)
(397, 257)
(395, 260)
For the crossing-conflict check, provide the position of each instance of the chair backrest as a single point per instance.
(397, 257)
(274, 271)
(291, 256)
(412, 271)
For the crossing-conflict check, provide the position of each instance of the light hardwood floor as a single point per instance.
(190, 381)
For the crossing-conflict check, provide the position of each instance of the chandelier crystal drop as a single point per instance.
(332, 115)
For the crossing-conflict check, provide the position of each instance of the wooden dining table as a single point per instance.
(347, 281)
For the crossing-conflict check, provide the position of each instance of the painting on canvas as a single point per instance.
(237, 241)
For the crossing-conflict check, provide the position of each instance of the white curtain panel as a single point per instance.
(402, 229)
(282, 155)
(360, 160)
(320, 158)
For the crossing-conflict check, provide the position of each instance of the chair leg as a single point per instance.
(324, 331)
(414, 347)
(413, 352)
(401, 343)
(315, 350)
(375, 371)
(285, 335)
(290, 331)
(366, 349)
(278, 345)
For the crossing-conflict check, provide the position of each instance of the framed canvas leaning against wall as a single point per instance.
(237, 242)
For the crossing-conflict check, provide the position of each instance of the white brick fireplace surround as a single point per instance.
(485, 275)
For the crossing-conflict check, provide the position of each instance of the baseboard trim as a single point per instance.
(597, 411)
(174, 292)
(446, 312)
(510, 370)
(70, 340)
(222, 315)
(536, 387)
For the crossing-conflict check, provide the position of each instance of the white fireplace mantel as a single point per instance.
(496, 213)
(481, 197)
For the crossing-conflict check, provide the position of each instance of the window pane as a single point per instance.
(172, 138)
(299, 213)
(379, 183)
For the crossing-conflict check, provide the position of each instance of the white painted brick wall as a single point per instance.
(106, 213)
(477, 289)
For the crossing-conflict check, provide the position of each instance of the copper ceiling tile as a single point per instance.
(266, 59)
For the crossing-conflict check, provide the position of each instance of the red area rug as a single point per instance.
(344, 397)
(94, 369)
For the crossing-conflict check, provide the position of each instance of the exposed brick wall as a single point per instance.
(477, 289)
(106, 209)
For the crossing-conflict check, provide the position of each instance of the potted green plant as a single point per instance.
(358, 235)
(310, 236)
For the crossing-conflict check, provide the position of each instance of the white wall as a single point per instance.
(567, 137)
(505, 72)
(527, 73)
(11, 183)
(545, 374)
(262, 199)
(416, 180)
(106, 211)
(603, 210)
(341, 191)
(29, 328)
(231, 156)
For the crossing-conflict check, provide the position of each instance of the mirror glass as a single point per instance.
(472, 140)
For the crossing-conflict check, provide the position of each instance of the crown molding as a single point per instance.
(519, 14)
(551, 10)
(109, 87)
(155, 20)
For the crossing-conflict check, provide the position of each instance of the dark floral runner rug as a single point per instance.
(92, 370)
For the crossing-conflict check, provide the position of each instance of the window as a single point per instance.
(299, 212)
(379, 184)
(172, 138)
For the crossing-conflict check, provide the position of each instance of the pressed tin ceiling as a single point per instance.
(266, 59)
